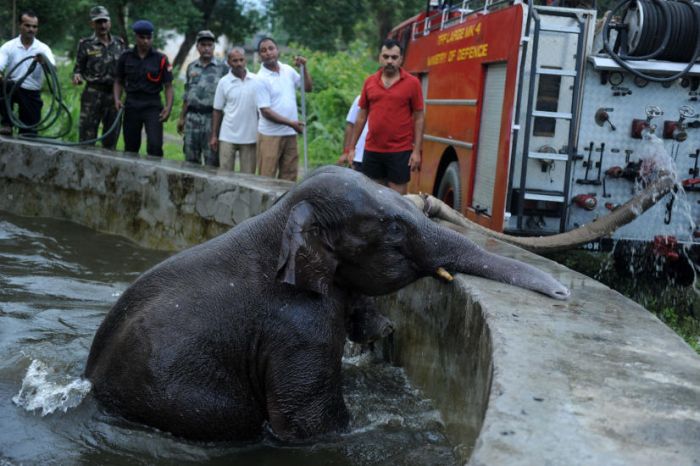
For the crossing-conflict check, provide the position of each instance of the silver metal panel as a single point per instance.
(605, 63)
(620, 146)
(548, 156)
(489, 137)
(562, 115)
(557, 56)
(553, 72)
(544, 197)
(571, 29)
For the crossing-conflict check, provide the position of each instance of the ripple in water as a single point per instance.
(38, 392)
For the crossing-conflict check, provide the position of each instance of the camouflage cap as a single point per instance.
(206, 34)
(99, 12)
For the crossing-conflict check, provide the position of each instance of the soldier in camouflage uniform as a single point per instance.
(202, 77)
(95, 64)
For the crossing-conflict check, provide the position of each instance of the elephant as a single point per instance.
(242, 336)
(366, 324)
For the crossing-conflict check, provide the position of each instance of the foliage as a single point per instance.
(172, 146)
(332, 25)
(685, 326)
(63, 22)
(337, 78)
(325, 23)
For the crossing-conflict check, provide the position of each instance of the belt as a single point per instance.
(101, 86)
(199, 109)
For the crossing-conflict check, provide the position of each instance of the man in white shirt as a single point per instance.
(28, 94)
(235, 98)
(350, 121)
(278, 125)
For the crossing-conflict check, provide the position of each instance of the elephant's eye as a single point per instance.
(394, 229)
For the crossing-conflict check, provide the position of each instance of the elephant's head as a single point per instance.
(346, 230)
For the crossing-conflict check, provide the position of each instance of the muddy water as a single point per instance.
(57, 281)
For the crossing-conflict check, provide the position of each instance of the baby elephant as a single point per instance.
(248, 329)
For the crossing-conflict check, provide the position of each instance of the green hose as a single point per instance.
(56, 108)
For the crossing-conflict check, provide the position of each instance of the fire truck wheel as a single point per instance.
(450, 191)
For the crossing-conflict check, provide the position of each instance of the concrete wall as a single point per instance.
(160, 204)
(520, 379)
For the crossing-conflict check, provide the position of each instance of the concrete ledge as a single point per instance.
(597, 380)
(157, 203)
(520, 379)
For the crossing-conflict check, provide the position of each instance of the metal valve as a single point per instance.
(640, 127)
(585, 201)
(602, 116)
(677, 129)
(652, 112)
(679, 133)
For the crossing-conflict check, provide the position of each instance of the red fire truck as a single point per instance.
(540, 118)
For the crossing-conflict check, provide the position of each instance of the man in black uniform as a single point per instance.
(143, 73)
(95, 63)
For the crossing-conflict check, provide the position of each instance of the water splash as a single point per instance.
(39, 393)
(655, 159)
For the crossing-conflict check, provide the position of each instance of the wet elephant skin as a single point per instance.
(246, 331)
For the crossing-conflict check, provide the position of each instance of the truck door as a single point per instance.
(489, 137)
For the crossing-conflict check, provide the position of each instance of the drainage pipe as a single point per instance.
(599, 228)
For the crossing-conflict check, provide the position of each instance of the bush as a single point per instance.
(338, 78)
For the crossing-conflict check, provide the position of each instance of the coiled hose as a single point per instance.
(56, 108)
(670, 30)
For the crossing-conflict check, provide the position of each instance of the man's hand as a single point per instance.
(299, 60)
(214, 143)
(414, 160)
(180, 125)
(118, 104)
(346, 158)
(298, 126)
(77, 79)
(164, 114)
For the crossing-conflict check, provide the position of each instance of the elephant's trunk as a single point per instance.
(459, 254)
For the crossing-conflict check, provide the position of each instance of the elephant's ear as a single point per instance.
(306, 257)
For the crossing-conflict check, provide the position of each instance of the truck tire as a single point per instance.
(450, 188)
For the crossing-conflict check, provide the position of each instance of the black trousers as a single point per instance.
(149, 118)
(29, 103)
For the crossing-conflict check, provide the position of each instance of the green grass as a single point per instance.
(71, 98)
(337, 77)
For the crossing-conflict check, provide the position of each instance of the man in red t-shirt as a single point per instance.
(395, 100)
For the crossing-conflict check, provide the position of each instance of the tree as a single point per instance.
(318, 24)
(221, 17)
(333, 24)
(63, 22)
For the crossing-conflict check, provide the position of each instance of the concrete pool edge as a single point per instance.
(594, 380)
(523, 379)
(160, 204)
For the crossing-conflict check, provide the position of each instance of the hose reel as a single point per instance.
(654, 29)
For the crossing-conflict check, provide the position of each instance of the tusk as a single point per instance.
(442, 273)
